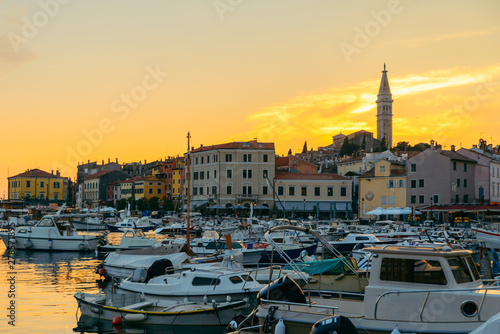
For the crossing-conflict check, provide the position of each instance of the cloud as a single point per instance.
(422, 41)
(419, 102)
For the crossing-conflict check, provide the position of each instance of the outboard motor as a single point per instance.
(334, 324)
(282, 289)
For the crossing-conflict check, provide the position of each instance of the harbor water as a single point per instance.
(36, 295)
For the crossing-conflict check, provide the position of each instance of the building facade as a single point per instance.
(383, 186)
(232, 173)
(95, 186)
(313, 194)
(36, 184)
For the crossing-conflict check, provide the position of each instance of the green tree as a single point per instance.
(141, 204)
(154, 204)
(121, 204)
(168, 205)
(348, 148)
(403, 146)
(304, 149)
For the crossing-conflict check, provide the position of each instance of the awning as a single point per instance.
(298, 206)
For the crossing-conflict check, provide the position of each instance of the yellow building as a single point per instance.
(177, 180)
(383, 186)
(142, 187)
(37, 184)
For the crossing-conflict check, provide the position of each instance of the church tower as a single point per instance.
(384, 111)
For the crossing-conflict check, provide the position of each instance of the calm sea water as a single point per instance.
(39, 291)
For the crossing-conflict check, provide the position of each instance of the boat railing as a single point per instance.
(311, 305)
(429, 292)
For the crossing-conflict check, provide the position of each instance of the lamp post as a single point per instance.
(304, 208)
(432, 218)
(363, 208)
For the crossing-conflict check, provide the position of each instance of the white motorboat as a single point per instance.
(135, 309)
(194, 284)
(131, 223)
(352, 239)
(490, 236)
(51, 233)
(131, 239)
(417, 289)
(122, 264)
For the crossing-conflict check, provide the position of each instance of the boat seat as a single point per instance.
(139, 305)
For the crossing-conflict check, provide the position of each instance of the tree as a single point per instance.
(363, 145)
(304, 149)
(168, 205)
(403, 146)
(142, 204)
(383, 145)
(121, 204)
(348, 148)
(153, 204)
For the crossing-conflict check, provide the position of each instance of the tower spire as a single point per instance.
(384, 110)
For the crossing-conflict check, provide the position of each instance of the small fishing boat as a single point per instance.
(135, 309)
(51, 233)
(131, 239)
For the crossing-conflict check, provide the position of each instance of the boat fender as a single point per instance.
(117, 320)
(81, 246)
(280, 327)
(233, 325)
(334, 324)
(135, 317)
(396, 330)
(96, 310)
(28, 244)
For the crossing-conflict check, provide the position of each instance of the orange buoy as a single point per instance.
(102, 271)
(117, 320)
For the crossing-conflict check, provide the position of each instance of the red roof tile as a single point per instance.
(309, 176)
(236, 145)
(37, 173)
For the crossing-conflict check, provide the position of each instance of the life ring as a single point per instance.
(262, 245)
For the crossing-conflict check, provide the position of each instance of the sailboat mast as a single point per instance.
(188, 191)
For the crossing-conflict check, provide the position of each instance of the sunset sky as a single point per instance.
(92, 80)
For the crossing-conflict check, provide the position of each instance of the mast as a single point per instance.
(188, 191)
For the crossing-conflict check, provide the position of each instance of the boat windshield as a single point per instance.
(412, 271)
(461, 267)
(46, 222)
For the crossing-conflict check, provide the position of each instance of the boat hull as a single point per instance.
(173, 315)
(274, 257)
(490, 238)
(76, 244)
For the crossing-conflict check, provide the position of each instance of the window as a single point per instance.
(203, 281)
(466, 198)
(465, 183)
(42, 184)
(208, 174)
(247, 158)
(291, 190)
(264, 173)
(303, 191)
(56, 185)
(465, 166)
(413, 184)
(329, 192)
(343, 191)
(435, 199)
(247, 173)
(202, 160)
(202, 175)
(458, 182)
(412, 271)
(317, 191)
(401, 183)
(56, 196)
(195, 175)
(201, 190)
(457, 198)
(244, 173)
(229, 157)
(159, 191)
(413, 168)
(264, 158)
(454, 165)
(195, 191)
(413, 199)
(391, 200)
(390, 184)
(264, 190)
(249, 189)
(281, 190)
(383, 200)
(382, 168)
(421, 183)
(461, 271)
(229, 173)
(229, 190)
(196, 161)
(215, 173)
(150, 190)
(244, 190)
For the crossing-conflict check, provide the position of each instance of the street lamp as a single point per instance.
(363, 208)
(432, 218)
(304, 208)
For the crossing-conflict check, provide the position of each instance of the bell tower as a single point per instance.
(384, 110)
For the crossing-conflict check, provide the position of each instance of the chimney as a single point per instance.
(145, 161)
(88, 161)
(52, 172)
(109, 160)
(453, 148)
(102, 161)
(58, 173)
(116, 160)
